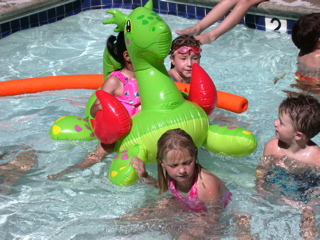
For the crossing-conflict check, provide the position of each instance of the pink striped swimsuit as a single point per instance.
(130, 97)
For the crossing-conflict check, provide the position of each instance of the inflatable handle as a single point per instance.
(113, 122)
(202, 89)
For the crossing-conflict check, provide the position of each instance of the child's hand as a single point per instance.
(138, 164)
(96, 106)
(99, 107)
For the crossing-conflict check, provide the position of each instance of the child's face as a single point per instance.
(284, 128)
(179, 165)
(183, 63)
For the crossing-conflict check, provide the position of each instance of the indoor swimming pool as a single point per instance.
(255, 64)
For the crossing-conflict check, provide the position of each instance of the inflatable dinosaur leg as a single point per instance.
(113, 122)
(230, 140)
(71, 128)
(120, 172)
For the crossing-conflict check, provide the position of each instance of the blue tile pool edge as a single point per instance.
(164, 7)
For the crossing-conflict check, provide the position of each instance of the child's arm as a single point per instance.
(265, 163)
(262, 170)
(138, 164)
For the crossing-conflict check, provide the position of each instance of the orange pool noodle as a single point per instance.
(40, 84)
(232, 102)
(227, 101)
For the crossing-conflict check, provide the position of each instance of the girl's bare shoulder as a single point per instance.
(209, 186)
(112, 85)
(209, 178)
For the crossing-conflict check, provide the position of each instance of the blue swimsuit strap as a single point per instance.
(174, 79)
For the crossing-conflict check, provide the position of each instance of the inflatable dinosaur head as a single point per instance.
(155, 44)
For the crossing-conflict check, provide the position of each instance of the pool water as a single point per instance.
(84, 204)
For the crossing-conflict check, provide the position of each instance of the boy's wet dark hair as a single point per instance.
(116, 46)
(304, 112)
(306, 33)
(183, 40)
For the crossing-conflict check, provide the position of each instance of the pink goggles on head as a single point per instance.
(186, 49)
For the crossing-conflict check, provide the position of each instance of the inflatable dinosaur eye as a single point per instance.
(128, 26)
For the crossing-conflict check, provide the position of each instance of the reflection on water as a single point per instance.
(302, 187)
(307, 80)
(168, 215)
(294, 183)
(288, 178)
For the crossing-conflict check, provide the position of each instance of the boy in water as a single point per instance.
(293, 154)
(306, 37)
(185, 51)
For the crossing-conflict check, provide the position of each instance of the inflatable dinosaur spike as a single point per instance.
(149, 5)
(118, 18)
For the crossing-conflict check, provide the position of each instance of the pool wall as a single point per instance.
(182, 8)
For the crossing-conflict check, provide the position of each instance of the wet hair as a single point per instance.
(304, 112)
(306, 33)
(116, 47)
(173, 140)
(183, 40)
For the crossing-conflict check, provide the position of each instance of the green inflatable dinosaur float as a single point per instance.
(148, 40)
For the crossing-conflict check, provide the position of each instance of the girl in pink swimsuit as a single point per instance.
(121, 84)
(194, 188)
(179, 171)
